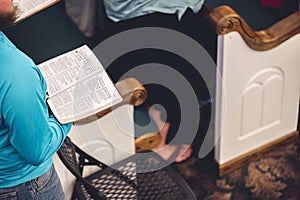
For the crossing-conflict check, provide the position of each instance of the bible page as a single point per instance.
(78, 85)
(30, 7)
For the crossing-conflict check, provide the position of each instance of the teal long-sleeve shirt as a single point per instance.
(28, 135)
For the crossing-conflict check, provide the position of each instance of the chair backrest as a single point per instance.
(67, 154)
(258, 93)
(75, 159)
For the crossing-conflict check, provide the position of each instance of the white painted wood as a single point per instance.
(260, 98)
(109, 139)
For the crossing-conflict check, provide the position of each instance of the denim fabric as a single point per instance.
(45, 187)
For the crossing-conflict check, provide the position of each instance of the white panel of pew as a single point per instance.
(260, 97)
(109, 139)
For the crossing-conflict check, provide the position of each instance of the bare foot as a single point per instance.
(185, 152)
(171, 152)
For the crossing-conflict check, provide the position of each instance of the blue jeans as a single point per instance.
(46, 187)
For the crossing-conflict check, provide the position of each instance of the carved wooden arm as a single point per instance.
(225, 19)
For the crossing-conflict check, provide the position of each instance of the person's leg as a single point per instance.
(196, 26)
(152, 121)
(177, 153)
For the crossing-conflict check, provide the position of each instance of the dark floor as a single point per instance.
(276, 176)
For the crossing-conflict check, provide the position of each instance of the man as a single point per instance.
(29, 136)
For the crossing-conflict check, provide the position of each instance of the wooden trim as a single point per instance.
(147, 141)
(256, 153)
(226, 20)
(132, 91)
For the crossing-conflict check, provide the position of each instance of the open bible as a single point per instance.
(77, 85)
(30, 7)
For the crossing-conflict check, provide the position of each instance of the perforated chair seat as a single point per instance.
(144, 176)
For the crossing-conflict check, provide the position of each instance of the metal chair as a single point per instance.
(131, 178)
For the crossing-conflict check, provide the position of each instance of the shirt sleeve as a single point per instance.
(33, 133)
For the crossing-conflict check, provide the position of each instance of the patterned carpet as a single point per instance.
(275, 176)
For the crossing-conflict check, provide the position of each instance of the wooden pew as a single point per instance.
(257, 101)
